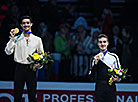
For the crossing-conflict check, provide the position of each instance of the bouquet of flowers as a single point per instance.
(119, 72)
(39, 57)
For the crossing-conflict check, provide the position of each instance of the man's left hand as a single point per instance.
(115, 78)
(37, 65)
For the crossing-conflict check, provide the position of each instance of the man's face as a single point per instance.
(103, 43)
(26, 24)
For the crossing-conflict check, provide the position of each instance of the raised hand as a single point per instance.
(98, 57)
(13, 32)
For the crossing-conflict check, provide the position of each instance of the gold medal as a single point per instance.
(16, 30)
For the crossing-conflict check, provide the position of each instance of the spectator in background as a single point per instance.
(47, 39)
(116, 42)
(106, 21)
(91, 46)
(81, 21)
(80, 59)
(63, 46)
(80, 34)
(94, 33)
(127, 40)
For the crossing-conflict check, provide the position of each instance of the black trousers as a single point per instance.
(105, 92)
(24, 74)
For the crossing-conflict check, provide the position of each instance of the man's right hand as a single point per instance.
(12, 33)
(98, 57)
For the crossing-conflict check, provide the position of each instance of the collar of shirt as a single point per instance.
(23, 37)
(105, 52)
(27, 32)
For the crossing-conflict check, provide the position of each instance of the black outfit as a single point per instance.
(103, 91)
(23, 74)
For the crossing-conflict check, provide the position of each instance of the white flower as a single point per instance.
(41, 56)
(120, 73)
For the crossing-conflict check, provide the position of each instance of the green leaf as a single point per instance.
(31, 66)
(123, 77)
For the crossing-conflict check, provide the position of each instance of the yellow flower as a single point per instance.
(16, 30)
(110, 81)
(34, 68)
(111, 69)
(36, 56)
(115, 71)
(45, 53)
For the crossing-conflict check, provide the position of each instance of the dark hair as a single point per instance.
(25, 17)
(103, 35)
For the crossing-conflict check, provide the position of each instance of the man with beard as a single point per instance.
(100, 64)
(22, 46)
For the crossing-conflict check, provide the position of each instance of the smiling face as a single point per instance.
(26, 24)
(103, 43)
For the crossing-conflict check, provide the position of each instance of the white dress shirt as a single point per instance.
(23, 48)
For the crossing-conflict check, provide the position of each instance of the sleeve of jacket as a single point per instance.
(92, 70)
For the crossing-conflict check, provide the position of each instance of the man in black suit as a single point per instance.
(100, 64)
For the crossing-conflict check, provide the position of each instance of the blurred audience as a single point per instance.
(127, 40)
(63, 46)
(50, 15)
(71, 45)
(47, 39)
(115, 38)
(106, 20)
(46, 36)
(91, 46)
(80, 34)
(11, 20)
